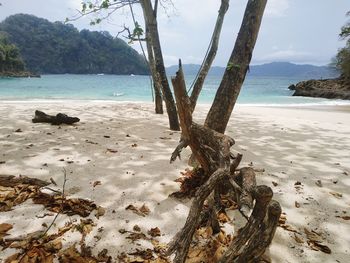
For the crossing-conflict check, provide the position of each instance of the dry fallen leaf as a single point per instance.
(111, 150)
(85, 226)
(223, 218)
(315, 241)
(136, 228)
(133, 236)
(53, 181)
(135, 210)
(344, 217)
(336, 194)
(143, 254)
(154, 232)
(4, 228)
(96, 183)
(318, 183)
(145, 210)
(289, 228)
(298, 239)
(100, 212)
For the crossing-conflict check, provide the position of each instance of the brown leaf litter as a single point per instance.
(16, 190)
(41, 248)
(155, 255)
(315, 241)
(190, 181)
(57, 203)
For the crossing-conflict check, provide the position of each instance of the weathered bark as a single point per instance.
(59, 119)
(152, 27)
(197, 87)
(258, 242)
(156, 80)
(237, 67)
(181, 242)
(212, 150)
(248, 183)
(257, 234)
(11, 181)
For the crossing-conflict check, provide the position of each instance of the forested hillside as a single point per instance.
(60, 48)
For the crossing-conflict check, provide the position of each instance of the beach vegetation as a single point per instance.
(10, 59)
(342, 59)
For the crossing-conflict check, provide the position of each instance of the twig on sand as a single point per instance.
(59, 211)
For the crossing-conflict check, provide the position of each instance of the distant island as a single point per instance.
(58, 48)
(273, 69)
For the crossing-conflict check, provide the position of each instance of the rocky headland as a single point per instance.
(338, 88)
(19, 74)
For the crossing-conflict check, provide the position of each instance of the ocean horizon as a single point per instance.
(256, 91)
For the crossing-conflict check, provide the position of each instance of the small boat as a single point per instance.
(100, 74)
(116, 94)
(132, 75)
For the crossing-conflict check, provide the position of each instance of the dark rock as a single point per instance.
(291, 87)
(324, 88)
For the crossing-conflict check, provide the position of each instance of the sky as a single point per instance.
(298, 31)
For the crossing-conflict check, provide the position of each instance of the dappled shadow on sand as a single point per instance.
(127, 148)
(298, 149)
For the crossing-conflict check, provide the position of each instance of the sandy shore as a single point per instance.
(302, 144)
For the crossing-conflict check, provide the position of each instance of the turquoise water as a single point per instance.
(256, 90)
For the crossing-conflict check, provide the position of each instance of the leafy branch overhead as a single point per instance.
(342, 59)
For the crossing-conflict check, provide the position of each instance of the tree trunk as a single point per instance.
(151, 25)
(212, 150)
(237, 67)
(211, 54)
(157, 86)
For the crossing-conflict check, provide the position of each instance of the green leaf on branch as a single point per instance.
(105, 4)
(231, 65)
(138, 31)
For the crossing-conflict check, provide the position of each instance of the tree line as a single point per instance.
(10, 59)
(58, 48)
(342, 59)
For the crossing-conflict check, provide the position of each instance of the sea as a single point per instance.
(257, 91)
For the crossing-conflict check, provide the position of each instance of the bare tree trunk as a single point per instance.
(212, 150)
(237, 67)
(211, 54)
(156, 80)
(151, 25)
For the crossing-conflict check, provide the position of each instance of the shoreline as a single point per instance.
(338, 105)
(290, 144)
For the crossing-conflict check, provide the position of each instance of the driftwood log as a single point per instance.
(59, 119)
(212, 151)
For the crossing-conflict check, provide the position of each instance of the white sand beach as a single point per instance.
(291, 144)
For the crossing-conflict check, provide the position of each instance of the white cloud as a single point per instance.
(276, 8)
(286, 55)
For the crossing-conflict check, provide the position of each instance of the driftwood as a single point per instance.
(59, 119)
(246, 178)
(212, 151)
